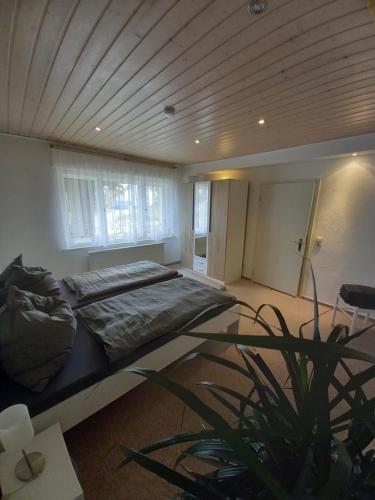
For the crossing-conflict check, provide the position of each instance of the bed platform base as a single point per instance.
(82, 405)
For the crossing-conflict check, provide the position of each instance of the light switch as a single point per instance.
(319, 241)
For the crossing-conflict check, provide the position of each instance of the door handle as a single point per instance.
(299, 243)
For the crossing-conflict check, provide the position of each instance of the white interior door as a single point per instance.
(283, 220)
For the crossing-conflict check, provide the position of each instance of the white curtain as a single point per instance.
(105, 201)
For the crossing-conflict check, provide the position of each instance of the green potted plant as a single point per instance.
(308, 443)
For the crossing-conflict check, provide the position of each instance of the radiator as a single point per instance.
(99, 259)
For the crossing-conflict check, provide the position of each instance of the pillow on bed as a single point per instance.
(3, 295)
(36, 337)
(33, 279)
(4, 275)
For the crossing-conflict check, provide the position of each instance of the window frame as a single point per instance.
(102, 239)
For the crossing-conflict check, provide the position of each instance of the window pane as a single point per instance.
(122, 208)
(156, 219)
(82, 214)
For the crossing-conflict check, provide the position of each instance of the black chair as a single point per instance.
(357, 299)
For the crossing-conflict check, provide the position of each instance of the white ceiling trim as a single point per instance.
(328, 149)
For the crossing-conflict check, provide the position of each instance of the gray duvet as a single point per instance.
(112, 279)
(127, 321)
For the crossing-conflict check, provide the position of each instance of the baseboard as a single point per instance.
(203, 278)
(321, 302)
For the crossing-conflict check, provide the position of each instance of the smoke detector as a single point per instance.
(257, 7)
(169, 110)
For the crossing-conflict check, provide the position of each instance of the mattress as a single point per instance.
(87, 365)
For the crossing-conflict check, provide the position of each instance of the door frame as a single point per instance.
(310, 225)
(309, 234)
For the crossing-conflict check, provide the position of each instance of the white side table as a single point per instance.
(58, 481)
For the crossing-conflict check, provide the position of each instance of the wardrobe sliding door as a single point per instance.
(187, 225)
(218, 230)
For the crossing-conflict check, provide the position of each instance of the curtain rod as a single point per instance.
(118, 156)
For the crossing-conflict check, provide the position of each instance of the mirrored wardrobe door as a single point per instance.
(201, 221)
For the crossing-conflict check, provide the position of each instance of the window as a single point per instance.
(108, 202)
(80, 199)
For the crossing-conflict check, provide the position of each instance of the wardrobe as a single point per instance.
(213, 227)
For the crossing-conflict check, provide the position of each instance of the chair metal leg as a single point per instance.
(354, 320)
(335, 310)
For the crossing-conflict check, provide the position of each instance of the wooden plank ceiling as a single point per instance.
(68, 66)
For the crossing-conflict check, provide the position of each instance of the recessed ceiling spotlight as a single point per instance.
(257, 7)
(261, 121)
(354, 154)
(98, 129)
(196, 141)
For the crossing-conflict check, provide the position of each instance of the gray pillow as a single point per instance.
(3, 295)
(4, 275)
(36, 337)
(33, 279)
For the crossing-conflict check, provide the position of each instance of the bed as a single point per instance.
(90, 380)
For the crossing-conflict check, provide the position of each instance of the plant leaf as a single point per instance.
(274, 417)
(216, 359)
(263, 367)
(170, 475)
(361, 412)
(248, 434)
(216, 450)
(227, 404)
(354, 403)
(178, 439)
(349, 338)
(292, 344)
(227, 433)
(304, 474)
(316, 335)
(283, 326)
(319, 410)
(355, 382)
(336, 333)
(339, 473)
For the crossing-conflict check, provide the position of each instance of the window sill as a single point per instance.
(119, 246)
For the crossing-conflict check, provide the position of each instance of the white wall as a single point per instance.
(345, 217)
(29, 213)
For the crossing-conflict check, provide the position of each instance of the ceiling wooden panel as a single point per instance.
(68, 66)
